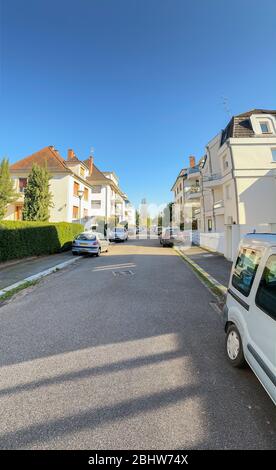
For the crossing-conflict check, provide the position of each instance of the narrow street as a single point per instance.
(124, 351)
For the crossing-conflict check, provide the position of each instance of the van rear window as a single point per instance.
(245, 270)
(266, 294)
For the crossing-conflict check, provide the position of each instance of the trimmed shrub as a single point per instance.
(21, 239)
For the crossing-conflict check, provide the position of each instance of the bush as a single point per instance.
(21, 239)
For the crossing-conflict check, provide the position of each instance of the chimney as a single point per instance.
(90, 164)
(70, 154)
(192, 161)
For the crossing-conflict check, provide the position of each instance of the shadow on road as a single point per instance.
(102, 349)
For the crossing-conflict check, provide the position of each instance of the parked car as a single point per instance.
(250, 309)
(118, 234)
(92, 243)
(159, 230)
(168, 236)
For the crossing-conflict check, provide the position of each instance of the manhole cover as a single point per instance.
(122, 273)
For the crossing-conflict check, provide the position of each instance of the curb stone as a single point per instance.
(37, 276)
(211, 280)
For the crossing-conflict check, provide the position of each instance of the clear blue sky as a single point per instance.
(142, 81)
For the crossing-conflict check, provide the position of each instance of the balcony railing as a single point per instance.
(214, 177)
(193, 191)
(218, 204)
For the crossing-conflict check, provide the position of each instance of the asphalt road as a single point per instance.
(124, 351)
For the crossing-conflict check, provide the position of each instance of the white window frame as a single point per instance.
(258, 119)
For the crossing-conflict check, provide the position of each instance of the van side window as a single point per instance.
(266, 294)
(245, 270)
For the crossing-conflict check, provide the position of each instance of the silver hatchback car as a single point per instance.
(92, 243)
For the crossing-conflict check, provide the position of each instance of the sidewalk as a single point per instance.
(214, 263)
(18, 271)
(212, 266)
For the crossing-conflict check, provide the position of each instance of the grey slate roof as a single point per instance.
(240, 125)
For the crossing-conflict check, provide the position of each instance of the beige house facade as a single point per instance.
(80, 191)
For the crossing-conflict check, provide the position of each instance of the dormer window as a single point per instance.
(265, 127)
(263, 124)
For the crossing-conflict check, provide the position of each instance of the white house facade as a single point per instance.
(238, 181)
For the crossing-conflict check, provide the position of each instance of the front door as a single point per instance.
(18, 212)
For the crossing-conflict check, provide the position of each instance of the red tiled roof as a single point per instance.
(96, 175)
(47, 156)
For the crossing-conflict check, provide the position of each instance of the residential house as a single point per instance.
(187, 194)
(68, 181)
(108, 202)
(79, 189)
(238, 181)
(178, 202)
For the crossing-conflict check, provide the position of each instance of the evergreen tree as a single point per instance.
(37, 197)
(7, 192)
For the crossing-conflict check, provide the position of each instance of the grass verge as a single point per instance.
(7, 295)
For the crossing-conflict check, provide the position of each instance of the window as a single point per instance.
(96, 189)
(76, 188)
(245, 270)
(22, 184)
(225, 163)
(85, 194)
(266, 294)
(264, 127)
(273, 151)
(75, 212)
(96, 204)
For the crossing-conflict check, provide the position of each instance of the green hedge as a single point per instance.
(21, 239)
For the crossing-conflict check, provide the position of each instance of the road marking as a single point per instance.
(122, 273)
(114, 266)
(216, 308)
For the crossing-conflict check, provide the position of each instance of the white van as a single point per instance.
(250, 310)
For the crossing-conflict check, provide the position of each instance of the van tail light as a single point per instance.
(95, 243)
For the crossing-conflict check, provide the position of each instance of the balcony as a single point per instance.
(194, 192)
(193, 173)
(212, 180)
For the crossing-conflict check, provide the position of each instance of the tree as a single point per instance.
(168, 214)
(7, 192)
(137, 218)
(37, 197)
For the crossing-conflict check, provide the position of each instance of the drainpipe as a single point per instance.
(235, 181)
(106, 210)
(203, 204)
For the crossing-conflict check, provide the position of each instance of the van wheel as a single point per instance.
(99, 252)
(234, 349)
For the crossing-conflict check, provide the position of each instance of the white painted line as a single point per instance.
(39, 275)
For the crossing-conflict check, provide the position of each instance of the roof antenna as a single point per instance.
(225, 103)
